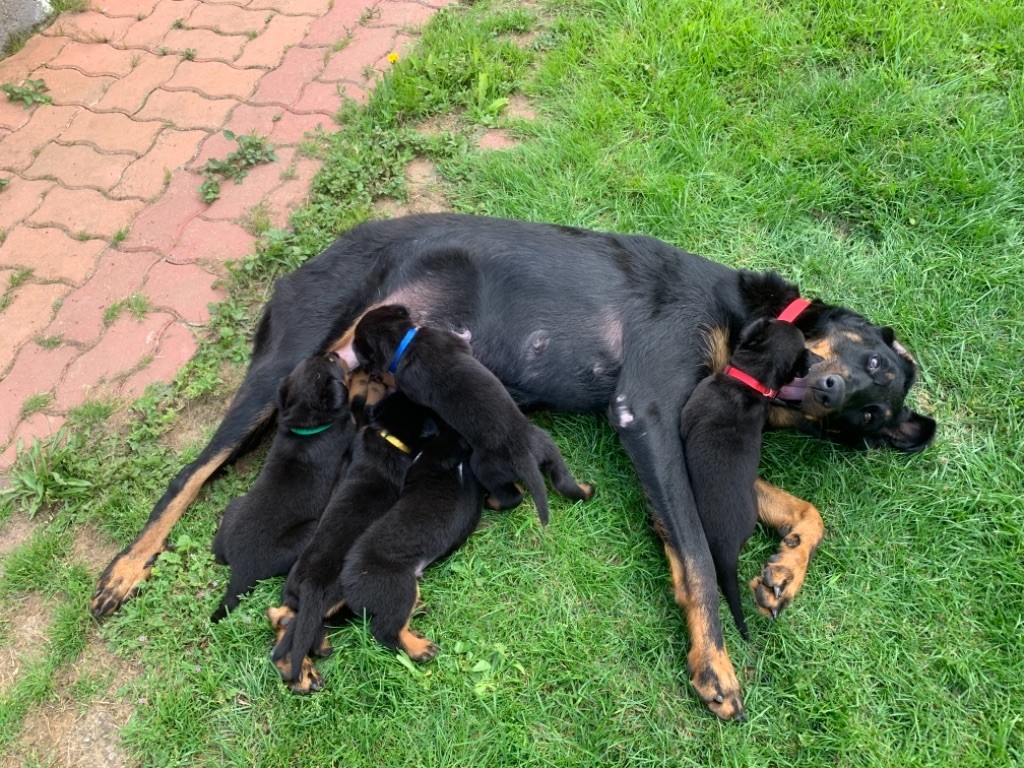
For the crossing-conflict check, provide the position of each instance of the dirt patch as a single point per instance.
(25, 626)
(519, 108)
(16, 531)
(195, 423)
(425, 192)
(81, 734)
(93, 549)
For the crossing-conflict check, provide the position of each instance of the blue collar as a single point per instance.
(401, 349)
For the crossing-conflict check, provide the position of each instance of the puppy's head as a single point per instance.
(771, 351)
(313, 394)
(411, 423)
(378, 334)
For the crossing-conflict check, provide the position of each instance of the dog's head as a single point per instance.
(857, 378)
(378, 334)
(771, 351)
(313, 394)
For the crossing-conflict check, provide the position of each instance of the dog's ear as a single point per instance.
(283, 392)
(914, 433)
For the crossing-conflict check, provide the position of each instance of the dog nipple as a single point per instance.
(538, 342)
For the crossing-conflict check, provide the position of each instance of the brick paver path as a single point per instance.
(102, 201)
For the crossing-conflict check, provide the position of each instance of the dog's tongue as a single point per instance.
(794, 390)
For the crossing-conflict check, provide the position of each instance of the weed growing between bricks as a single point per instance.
(252, 150)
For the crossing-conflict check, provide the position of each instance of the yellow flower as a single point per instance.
(392, 57)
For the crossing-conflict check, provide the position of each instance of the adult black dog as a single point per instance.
(579, 321)
(382, 454)
(437, 370)
(438, 509)
(721, 427)
(263, 532)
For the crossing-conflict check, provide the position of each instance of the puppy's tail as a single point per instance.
(534, 482)
(308, 626)
(728, 580)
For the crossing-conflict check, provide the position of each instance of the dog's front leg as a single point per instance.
(648, 426)
(799, 524)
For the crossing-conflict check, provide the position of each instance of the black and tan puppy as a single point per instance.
(438, 509)
(721, 426)
(263, 532)
(382, 453)
(437, 369)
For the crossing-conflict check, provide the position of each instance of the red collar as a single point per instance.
(788, 315)
(795, 307)
(750, 381)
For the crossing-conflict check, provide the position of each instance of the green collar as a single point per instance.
(310, 430)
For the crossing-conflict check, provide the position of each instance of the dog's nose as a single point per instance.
(829, 393)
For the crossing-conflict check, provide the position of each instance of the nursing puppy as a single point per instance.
(721, 427)
(437, 369)
(439, 508)
(263, 532)
(382, 453)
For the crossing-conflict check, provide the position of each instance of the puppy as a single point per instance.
(437, 369)
(382, 453)
(439, 508)
(263, 532)
(721, 426)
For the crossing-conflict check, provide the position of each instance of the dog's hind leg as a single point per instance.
(800, 525)
(248, 416)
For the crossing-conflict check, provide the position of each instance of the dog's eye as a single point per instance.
(874, 363)
(868, 417)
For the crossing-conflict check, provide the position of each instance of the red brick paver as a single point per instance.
(102, 196)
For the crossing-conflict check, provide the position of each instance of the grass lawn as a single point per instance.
(873, 152)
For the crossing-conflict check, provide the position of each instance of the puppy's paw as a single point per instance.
(416, 646)
(309, 681)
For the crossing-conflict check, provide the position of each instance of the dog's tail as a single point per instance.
(728, 580)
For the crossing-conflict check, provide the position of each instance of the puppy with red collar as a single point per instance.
(721, 426)
(437, 369)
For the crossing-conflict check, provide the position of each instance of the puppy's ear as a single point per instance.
(283, 392)
(803, 364)
(753, 332)
(914, 433)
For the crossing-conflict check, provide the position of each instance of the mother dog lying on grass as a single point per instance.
(578, 321)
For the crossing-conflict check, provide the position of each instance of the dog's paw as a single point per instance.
(777, 585)
(588, 491)
(120, 581)
(715, 681)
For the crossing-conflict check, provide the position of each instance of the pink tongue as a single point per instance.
(794, 390)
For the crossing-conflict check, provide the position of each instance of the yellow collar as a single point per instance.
(395, 441)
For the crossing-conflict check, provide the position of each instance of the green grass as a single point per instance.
(870, 151)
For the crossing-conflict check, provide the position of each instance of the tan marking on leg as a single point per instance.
(130, 568)
(711, 671)
(416, 646)
(800, 525)
(588, 491)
